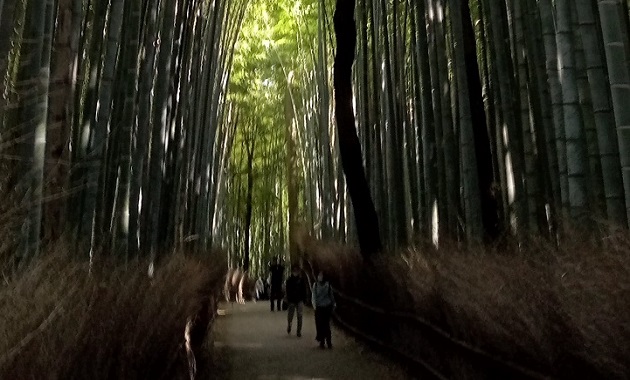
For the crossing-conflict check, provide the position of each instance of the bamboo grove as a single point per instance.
(483, 118)
(142, 126)
(261, 204)
(111, 133)
(478, 119)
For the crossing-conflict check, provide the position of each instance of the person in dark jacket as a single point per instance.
(296, 295)
(324, 304)
(277, 275)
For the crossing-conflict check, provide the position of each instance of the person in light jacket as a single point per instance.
(323, 302)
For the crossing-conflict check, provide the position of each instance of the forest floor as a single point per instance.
(251, 342)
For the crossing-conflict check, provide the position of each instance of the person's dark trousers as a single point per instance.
(322, 325)
(293, 307)
(276, 295)
(279, 303)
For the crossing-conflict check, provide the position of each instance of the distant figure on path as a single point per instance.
(277, 275)
(260, 288)
(323, 303)
(296, 295)
(268, 286)
(242, 287)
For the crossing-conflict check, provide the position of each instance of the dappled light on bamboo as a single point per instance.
(435, 225)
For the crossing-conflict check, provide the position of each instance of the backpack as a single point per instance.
(329, 289)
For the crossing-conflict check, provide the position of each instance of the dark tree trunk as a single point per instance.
(248, 212)
(483, 149)
(292, 185)
(349, 145)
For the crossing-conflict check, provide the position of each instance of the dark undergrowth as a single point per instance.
(561, 311)
(61, 318)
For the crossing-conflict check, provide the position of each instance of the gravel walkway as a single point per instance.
(251, 342)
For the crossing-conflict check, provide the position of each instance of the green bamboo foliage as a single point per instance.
(33, 80)
(617, 46)
(547, 117)
(1, 8)
(141, 134)
(64, 69)
(573, 121)
(543, 117)
(520, 57)
(122, 115)
(472, 207)
(99, 199)
(539, 152)
(602, 108)
(123, 122)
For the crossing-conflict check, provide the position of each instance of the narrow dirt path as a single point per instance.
(251, 342)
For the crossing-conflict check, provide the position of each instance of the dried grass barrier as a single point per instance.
(62, 319)
(533, 312)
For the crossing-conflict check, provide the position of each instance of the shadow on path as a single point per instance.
(251, 342)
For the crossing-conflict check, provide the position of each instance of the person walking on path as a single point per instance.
(260, 289)
(277, 275)
(323, 303)
(296, 295)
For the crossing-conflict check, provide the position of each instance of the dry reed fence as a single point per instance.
(62, 319)
(563, 312)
